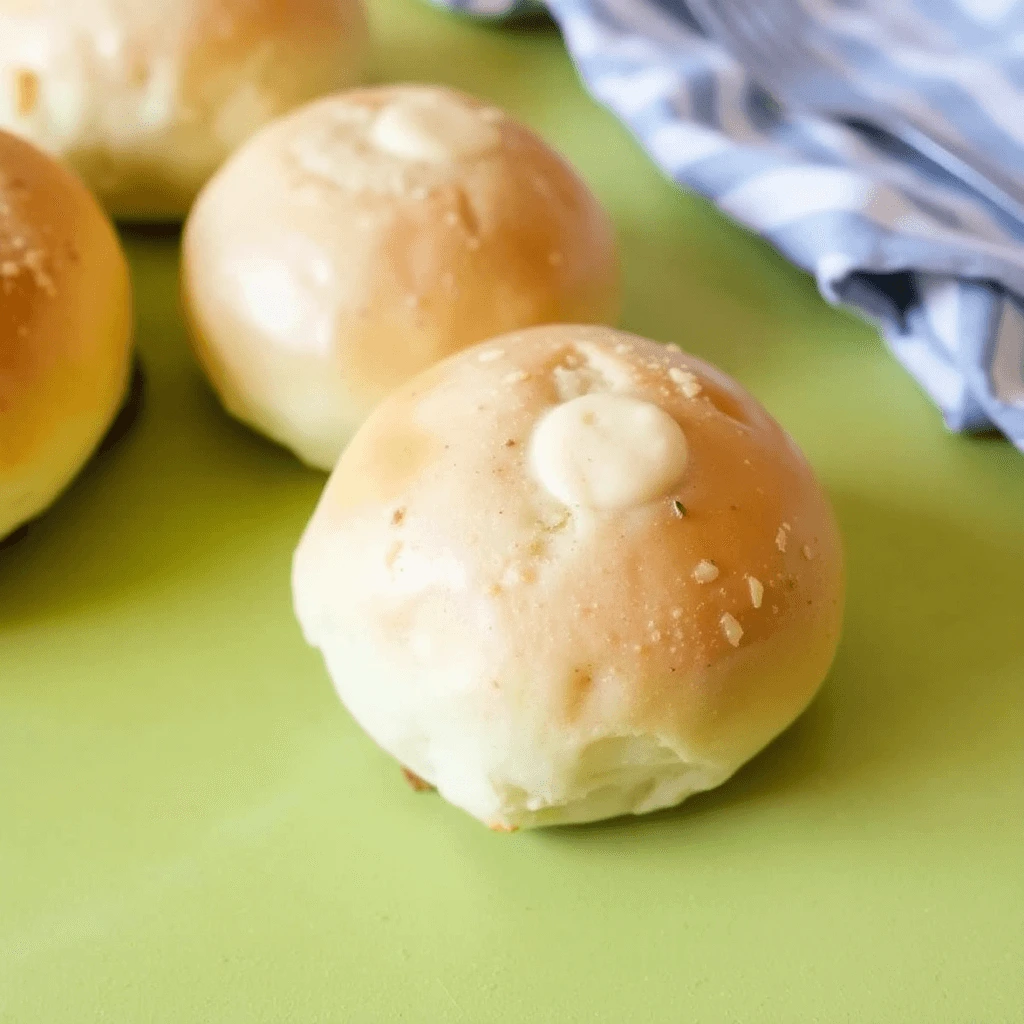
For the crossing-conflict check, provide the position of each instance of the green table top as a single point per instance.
(193, 830)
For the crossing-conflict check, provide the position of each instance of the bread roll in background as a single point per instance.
(569, 574)
(65, 329)
(145, 98)
(358, 240)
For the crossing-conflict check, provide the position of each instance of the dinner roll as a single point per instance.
(145, 98)
(569, 574)
(65, 329)
(366, 236)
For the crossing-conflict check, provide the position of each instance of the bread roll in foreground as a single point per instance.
(363, 238)
(569, 574)
(65, 329)
(145, 98)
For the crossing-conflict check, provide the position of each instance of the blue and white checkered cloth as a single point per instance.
(939, 267)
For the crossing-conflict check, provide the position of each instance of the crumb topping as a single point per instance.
(686, 381)
(22, 252)
(732, 630)
(705, 571)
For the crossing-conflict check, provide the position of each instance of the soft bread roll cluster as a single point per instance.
(569, 574)
(65, 329)
(145, 98)
(357, 241)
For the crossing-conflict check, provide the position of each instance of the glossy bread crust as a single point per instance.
(543, 663)
(396, 226)
(145, 98)
(65, 329)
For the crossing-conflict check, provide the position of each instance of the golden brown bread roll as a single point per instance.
(571, 573)
(145, 98)
(360, 239)
(65, 329)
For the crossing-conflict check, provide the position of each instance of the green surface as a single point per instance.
(192, 829)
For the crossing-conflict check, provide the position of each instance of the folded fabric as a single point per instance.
(935, 262)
